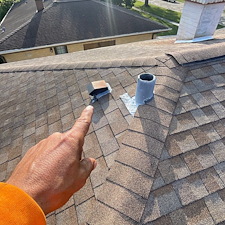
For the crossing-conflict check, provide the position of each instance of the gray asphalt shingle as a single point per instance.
(166, 164)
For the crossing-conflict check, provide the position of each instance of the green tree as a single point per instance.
(117, 2)
(129, 3)
(4, 7)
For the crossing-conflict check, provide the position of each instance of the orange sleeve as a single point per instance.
(18, 208)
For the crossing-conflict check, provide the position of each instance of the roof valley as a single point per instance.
(138, 159)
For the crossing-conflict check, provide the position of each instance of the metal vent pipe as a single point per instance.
(145, 88)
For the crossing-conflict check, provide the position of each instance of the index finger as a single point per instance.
(81, 126)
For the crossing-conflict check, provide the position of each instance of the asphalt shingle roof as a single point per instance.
(77, 20)
(164, 166)
(21, 14)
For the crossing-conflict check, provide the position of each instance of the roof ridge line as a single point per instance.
(16, 30)
(143, 61)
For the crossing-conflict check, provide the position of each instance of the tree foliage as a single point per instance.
(117, 2)
(127, 3)
(4, 7)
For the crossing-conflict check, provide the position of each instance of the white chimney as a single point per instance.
(199, 20)
(39, 5)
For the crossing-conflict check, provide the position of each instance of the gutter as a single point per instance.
(82, 41)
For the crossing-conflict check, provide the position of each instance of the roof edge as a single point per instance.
(82, 41)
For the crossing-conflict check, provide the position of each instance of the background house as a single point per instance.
(71, 26)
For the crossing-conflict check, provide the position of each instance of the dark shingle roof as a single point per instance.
(79, 20)
(21, 13)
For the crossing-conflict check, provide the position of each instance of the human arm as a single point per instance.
(18, 208)
(51, 171)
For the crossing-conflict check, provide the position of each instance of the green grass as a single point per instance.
(159, 11)
(219, 26)
(164, 13)
(173, 27)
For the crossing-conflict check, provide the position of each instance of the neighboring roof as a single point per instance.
(133, 54)
(20, 14)
(163, 167)
(78, 20)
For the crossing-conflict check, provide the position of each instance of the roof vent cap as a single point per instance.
(97, 89)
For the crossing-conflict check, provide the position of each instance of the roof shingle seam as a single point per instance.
(171, 75)
(176, 85)
(197, 78)
(157, 109)
(149, 169)
(110, 207)
(122, 186)
(182, 157)
(164, 122)
(164, 59)
(174, 102)
(197, 124)
(192, 195)
(157, 136)
(139, 149)
(11, 159)
(165, 205)
(126, 202)
(172, 219)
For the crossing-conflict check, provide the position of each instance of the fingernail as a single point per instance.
(95, 164)
(89, 107)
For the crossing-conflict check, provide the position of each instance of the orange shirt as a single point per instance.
(18, 208)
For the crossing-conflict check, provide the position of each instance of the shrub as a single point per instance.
(129, 3)
(117, 2)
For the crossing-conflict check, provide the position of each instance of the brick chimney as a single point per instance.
(199, 20)
(39, 5)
